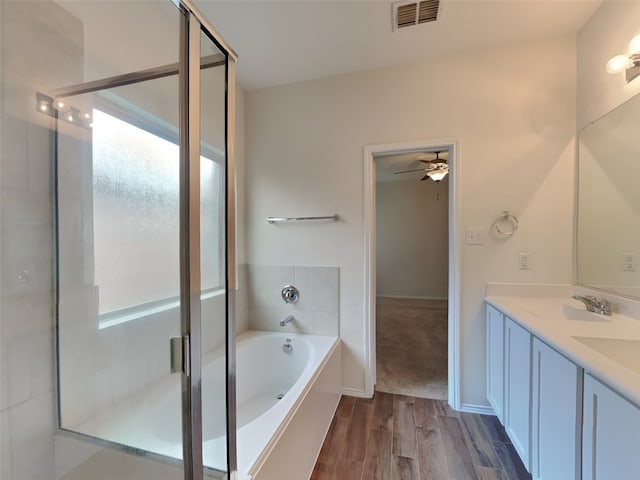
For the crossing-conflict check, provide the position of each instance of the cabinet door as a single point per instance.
(556, 415)
(517, 389)
(495, 361)
(611, 434)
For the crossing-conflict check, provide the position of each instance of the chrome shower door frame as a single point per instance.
(194, 24)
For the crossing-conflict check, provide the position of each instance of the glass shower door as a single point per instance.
(132, 275)
(118, 217)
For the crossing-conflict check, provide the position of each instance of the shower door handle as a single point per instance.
(179, 347)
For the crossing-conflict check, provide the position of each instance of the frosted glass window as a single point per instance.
(136, 216)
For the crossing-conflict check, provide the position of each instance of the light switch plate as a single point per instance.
(524, 261)
(628, 262)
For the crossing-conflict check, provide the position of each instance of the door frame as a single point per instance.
(370, 151)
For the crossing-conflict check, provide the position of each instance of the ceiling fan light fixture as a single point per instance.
(438, 174)
(435, 168)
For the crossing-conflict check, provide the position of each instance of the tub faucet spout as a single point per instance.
(287, 320)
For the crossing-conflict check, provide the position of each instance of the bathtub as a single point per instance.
(285, 401)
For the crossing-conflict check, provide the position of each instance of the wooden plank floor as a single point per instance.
(395, 437)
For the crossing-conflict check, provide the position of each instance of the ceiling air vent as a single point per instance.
(406, 14)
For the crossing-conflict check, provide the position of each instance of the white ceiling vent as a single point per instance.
(406, 14)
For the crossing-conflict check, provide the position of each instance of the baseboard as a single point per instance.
(411, 297)
(355, 392)
(481, 409)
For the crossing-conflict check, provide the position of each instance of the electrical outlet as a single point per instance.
(628, 262)
(524, 261)
(475, 236)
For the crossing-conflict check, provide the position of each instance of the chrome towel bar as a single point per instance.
(300, 219)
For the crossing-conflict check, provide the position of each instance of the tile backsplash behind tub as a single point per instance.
(315, 312)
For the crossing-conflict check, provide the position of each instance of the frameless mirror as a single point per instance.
(608, 233)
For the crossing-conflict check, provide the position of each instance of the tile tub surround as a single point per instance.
(316, 311)
(543, 317)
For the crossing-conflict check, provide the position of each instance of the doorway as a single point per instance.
(412, 273)
(412, 315)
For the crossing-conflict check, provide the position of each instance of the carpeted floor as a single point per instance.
(411, 347)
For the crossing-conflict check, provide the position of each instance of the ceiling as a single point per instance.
(280, 42)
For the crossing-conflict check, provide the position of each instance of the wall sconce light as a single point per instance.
(630, 64)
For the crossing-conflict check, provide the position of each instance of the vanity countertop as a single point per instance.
(607, 347)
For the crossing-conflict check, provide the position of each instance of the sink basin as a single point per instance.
(581, 314)
(564, 311)
(624, 352)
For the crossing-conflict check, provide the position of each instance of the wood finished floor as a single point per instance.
(396, 437)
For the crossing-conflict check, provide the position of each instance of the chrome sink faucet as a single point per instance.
(602, 307)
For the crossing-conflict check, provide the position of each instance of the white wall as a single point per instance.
(412, 251)
(513, 109)
(133, 48)
(29, 32)
(606, 34)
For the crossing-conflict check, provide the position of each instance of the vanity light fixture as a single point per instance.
(630, 64)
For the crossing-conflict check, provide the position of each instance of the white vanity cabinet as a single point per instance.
(611, 434)
(495, 361)
(517, 388)
(555, 415)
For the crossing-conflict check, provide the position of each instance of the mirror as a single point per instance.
(608, 233)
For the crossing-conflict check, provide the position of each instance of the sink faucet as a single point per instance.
(602, 307)
(287, 320)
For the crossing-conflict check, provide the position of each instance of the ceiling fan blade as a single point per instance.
(436, 159)
(407, 171)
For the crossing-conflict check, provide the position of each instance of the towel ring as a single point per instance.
(508, 218)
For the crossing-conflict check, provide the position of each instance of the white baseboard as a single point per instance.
(411, 297)
(481, 409)
(355, 392)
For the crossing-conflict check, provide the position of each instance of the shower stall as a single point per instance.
(118, 244)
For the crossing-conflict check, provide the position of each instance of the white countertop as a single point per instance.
(546, 318)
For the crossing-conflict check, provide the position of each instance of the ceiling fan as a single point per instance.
(436, 168)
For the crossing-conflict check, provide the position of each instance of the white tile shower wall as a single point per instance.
(40, 46)
(315, 312)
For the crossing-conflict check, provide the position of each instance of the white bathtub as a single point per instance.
(278, 393)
